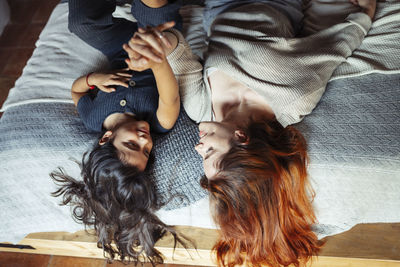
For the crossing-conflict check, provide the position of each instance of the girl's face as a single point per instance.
(134, 143)
(215, 139)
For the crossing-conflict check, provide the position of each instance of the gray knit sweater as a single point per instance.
(248, 44)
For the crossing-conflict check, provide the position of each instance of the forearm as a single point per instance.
(168, 90)
(79, 89)
(167, 85)
(182, 60)
(189, 74)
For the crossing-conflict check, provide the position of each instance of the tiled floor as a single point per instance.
(28, 17)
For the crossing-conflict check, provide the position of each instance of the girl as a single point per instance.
(115, 197)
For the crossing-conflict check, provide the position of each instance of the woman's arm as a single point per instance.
(103, 81)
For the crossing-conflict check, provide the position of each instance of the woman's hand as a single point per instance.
(106, 81)
(368, 6)
(148, 47)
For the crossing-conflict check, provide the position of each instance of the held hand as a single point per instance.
(136, 61)
(147, 47)
(106, 81)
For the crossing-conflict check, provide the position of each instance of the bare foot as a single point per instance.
(368, 6)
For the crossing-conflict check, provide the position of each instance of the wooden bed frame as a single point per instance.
(366, 245)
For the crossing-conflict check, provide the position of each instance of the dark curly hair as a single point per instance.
(119, 202)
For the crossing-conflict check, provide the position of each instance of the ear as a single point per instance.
(105, 138)
(241, 137)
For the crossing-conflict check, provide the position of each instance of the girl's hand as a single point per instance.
(147, 48)
(106, 81)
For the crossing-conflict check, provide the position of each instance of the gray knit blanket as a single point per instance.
(354, 146)
(353, 137)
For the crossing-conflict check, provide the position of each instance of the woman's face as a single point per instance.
(215, 139)
(134, 143)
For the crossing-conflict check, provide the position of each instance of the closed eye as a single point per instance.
(209, 152)
(132, 145)
(146, 153)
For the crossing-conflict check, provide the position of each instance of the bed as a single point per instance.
(353, 134)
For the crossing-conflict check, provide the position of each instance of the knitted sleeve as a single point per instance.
(319, 55)
(188, 71)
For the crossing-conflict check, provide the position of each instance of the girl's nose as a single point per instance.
(143, 139)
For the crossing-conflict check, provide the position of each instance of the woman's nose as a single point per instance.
(199, 148)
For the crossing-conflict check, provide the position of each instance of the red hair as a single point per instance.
(261, 200)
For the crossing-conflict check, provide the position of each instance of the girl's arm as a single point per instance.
(79, 89)
(187, 69)
(154, 45)
(168, 90)
(103, 81)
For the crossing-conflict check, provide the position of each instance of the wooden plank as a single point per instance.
(373, 241)
(57, 261)
(323, 261)
(204, 238)
(377, 244)
(200, 257)
(89, 250)
(370, 241)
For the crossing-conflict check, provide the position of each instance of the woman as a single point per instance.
(258, 80)
(115, 196)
